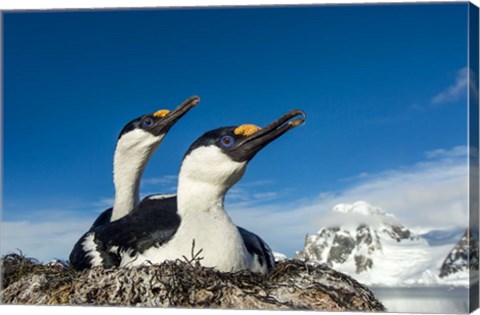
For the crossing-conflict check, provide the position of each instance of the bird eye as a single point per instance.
(227, 141)
(147, 122)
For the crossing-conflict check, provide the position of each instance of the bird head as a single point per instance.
(147, 131)
(220, 156)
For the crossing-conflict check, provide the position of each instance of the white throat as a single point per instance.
(205, 177)
(132, 154)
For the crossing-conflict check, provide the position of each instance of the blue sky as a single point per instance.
(384, 89)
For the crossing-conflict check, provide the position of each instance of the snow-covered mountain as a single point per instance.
(462, 257)
(375, 248)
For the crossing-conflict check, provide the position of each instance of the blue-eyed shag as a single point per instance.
(137, 142)
(211, 166)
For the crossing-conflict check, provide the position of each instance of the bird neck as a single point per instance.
(128, 169)
(194, 196)
(205, 177)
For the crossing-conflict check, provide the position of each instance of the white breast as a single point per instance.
(218, 241)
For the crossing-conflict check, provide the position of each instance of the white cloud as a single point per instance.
(166, 184)
(356, 177)
(252, 193)
(431, 193)
(104, 203)
(42, 240)
(442, 153)
(265, 195)
(455, 91)
(162, 180)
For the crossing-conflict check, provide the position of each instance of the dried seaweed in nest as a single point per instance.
(14, 266)
(55, 275)
(185, 283)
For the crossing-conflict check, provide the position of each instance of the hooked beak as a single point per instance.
(164, 125)
(251, 145)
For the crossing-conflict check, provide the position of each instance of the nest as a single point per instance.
(293, 284)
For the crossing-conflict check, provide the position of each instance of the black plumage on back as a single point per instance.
(152, 223)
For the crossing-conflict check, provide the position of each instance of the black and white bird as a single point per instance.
(137, 142)
(211, 166)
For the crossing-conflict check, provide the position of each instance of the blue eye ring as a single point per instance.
(227, 141)
(148, 122)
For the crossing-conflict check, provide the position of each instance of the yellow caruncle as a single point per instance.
(246, 130)
(161, 113)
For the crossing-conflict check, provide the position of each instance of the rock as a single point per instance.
(463, 256)
(291, 285)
